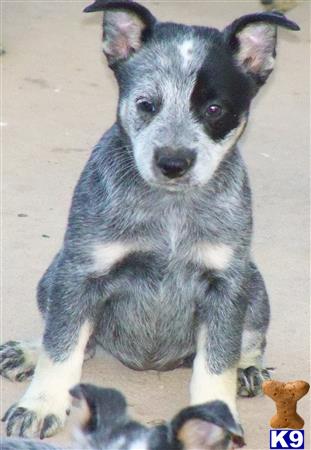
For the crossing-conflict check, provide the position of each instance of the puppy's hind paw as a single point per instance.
(250, 381)
(18, 360)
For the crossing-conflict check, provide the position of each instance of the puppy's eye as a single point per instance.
(214, 111)
(146, 106)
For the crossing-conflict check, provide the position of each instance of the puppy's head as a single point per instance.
(185, 91)
(103, 424)
(209, 426)
(101, 421)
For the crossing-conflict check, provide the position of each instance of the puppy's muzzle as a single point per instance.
(174, 163)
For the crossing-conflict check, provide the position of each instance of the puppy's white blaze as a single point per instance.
(186, 51)
(48, 392)
(214, 256)
(213, 152)
(107, 255)
(139, 444)
(205, 386)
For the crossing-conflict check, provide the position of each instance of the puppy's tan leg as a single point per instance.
(207, 386)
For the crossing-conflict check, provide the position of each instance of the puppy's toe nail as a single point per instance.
(28, 421)
(24, 375)
(8, 413)
(13, 421)
(50, 424)
(266, 374)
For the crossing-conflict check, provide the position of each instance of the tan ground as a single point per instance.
(59, 98)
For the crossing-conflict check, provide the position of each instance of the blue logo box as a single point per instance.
(286, 439)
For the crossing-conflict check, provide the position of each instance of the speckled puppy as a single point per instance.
(155, 264)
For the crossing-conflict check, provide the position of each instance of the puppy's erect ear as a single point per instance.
(126, 26)
(252, 38)
(98, 407)
(207, 427)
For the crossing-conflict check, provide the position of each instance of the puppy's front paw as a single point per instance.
(17, 360)
(35, 417)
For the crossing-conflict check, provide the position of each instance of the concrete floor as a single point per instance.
(59, 97)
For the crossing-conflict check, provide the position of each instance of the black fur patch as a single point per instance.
(220, 82)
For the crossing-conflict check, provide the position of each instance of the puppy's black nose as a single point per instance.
(173, 167)
(174, 163)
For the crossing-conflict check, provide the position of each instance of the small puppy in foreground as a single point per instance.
(102, 423)
(156, 262)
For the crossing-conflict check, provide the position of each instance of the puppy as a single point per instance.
(156, 265)
(103, 424)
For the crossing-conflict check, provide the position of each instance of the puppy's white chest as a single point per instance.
(105, 256)
(212, 256)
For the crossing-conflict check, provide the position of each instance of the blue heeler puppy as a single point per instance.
(156, 264)
(101, 423)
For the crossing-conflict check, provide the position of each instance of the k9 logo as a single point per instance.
(286, 439)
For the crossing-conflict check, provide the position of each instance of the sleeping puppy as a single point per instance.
(103, 424)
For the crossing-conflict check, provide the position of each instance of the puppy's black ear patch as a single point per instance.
(207, 427)
(99, 407)
(252, 38)
(126, 27)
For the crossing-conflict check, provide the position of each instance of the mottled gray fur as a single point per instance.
(112, 203)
